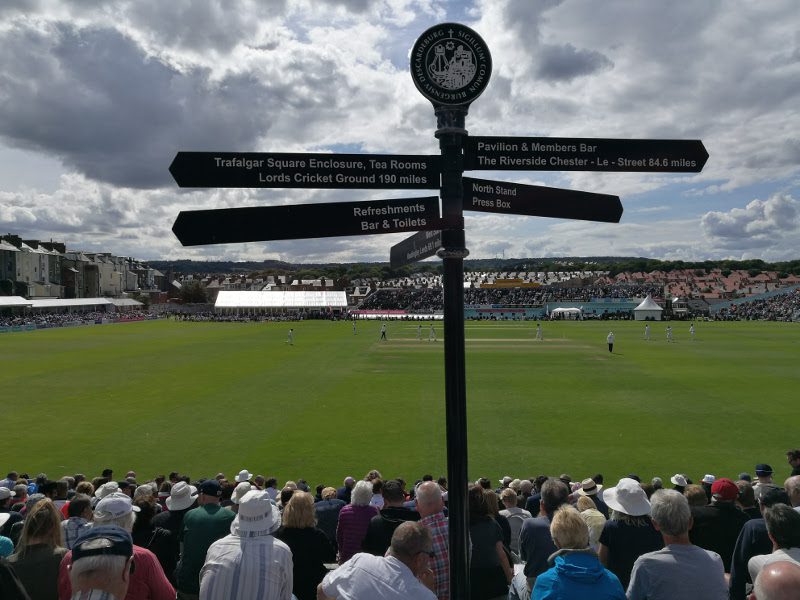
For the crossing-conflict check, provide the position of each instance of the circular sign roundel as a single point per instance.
(450, 64)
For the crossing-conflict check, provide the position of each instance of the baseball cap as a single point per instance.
(210, 487)
(108, 540)
(6, 493)
(724, 489)
(763, 469)
(113, 506)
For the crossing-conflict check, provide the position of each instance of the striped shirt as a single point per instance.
(440, 563)
(72, 528)
(93, 595)
(247, 568)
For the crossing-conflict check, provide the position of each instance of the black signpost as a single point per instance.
(450, 66)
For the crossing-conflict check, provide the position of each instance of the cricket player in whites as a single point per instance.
(539, 332)
(432, 334)
(647, 332)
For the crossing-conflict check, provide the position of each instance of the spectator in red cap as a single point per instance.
(717, 525)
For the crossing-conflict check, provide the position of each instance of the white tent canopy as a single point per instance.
(281, 300)
(566, 313)
(649, 309)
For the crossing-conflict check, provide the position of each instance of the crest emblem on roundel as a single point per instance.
(451, 65)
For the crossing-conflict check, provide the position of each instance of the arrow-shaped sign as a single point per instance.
(285, 170)
(419, 246)
(583, 154)
(301, 221)
(517, 199)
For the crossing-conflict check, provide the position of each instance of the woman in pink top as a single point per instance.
(353, 521)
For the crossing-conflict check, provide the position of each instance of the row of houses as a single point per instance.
(713, 284)
(479, 279)
(37, 269)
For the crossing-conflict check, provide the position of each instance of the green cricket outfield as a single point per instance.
(200, 398)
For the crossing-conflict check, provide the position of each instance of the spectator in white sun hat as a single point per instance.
(112, 487)
(679, 482)
(249, 563)
(238, 493)
(181, 500)
(244, 475)
(182, 496)
(629, 533)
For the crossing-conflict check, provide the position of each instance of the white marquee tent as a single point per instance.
(279, 301)
(648, 310)
(566, 313)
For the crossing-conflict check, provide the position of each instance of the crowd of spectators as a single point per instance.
(432, 299)
(247, 537)
(47, 319)
(208, 316)
(780, 307)
(85, 318)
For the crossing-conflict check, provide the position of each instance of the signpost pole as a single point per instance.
(451, 135)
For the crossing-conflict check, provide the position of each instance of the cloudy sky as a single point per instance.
(96, 97)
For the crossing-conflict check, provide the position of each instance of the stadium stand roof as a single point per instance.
(8, 301)
(124, 302)
(73, 302)
(281, 299)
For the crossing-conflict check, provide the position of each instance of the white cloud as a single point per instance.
(761, 224)
(111, 89)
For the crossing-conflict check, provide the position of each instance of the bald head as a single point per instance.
(778, 581)
(429, 498)
(792, 487)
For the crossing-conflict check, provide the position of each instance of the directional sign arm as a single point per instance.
(288, 170)
(584, 154)
(417, 247)
(264, 223)
(539, 201)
